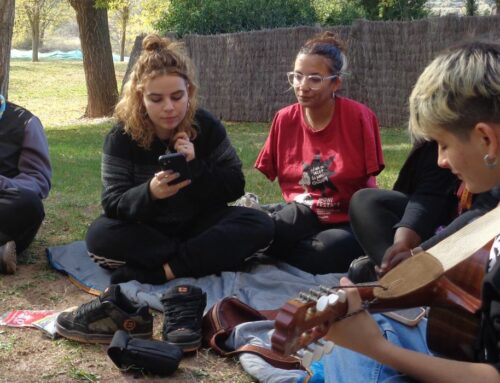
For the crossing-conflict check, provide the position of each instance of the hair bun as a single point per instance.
(154, 42)
(328, 37)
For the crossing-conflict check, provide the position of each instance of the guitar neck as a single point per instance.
(299, 323)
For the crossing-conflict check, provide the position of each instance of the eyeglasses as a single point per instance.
(314, 80)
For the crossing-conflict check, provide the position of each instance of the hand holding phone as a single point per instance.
(175, 162)
(174, 176)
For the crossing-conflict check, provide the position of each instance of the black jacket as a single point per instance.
(127, 169)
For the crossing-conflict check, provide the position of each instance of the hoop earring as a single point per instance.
(490, 162)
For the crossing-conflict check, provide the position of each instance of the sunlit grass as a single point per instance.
(53, 90)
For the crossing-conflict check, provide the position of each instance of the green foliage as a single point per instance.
(371, 8)
(338, 12)
(151, 12)
(471, 7)
(394, 9)
(48, 14)
(225, 16)
(136, 16)
(113, 4)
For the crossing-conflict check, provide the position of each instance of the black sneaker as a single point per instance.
(97, 321)
(183, 308)
(8, 258)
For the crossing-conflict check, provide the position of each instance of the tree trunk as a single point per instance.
(6, 29)
(102, 90)
(125, 14)
(35, 36)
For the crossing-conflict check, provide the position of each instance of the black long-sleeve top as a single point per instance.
(127, 169)
(431, 191)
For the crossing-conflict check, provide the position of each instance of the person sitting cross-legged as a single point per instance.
(25, 180)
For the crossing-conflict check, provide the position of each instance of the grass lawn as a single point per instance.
(56, 92)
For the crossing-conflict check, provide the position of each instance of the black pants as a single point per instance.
(218, 241)
(21, 214)
(373, 214)
(301, 240)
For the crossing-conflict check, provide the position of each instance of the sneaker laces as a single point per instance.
(184, 315)
(87, 307)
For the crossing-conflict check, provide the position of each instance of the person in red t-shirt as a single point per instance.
(322, 149)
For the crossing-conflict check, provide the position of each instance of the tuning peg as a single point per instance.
(322, 303)
(342, 296)
(307, 297)
(306, 357)
(327, 300)
(327, 345)
(317, 351)
(326, 289)
(315, 293)
(310, 354)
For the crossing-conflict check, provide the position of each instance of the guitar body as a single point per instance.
(453, 331)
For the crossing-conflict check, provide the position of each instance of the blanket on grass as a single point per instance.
(263, 286)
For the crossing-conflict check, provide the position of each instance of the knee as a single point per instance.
(27, 204)
(260, 224)
(362, 201)
(97, 240)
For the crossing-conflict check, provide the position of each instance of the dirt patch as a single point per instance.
(28, 356)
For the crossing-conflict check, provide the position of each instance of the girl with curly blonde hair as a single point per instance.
(155, 228)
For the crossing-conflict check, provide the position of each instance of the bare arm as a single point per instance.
(353, 332)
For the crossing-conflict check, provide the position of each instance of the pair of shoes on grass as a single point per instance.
(97, 321)
(8, 258)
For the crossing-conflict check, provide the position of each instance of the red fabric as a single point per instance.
(323, 169)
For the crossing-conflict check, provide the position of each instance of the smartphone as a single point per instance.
(177, 163)
(409, 317)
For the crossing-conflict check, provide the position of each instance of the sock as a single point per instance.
(127, 273)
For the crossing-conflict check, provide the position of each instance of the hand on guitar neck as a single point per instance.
(392, 259)
(353, 333)
(405, 244)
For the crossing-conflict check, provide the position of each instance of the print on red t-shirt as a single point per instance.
(323, 169)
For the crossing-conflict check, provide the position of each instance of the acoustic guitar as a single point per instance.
(453, 320)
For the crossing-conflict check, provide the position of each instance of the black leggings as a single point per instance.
(373, 214)
(217, 241)
(21, 214)
(303, 241)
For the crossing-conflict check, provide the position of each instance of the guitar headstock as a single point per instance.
(305, 320)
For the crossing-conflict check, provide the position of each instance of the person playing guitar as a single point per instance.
(456, 102)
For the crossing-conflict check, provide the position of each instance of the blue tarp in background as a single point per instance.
(75, 55)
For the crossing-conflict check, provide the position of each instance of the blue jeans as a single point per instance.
(343, 365)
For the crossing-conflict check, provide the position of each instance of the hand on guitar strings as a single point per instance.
(357, 330)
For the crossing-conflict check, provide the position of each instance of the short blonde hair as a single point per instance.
(458, 89)
(159, 56)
